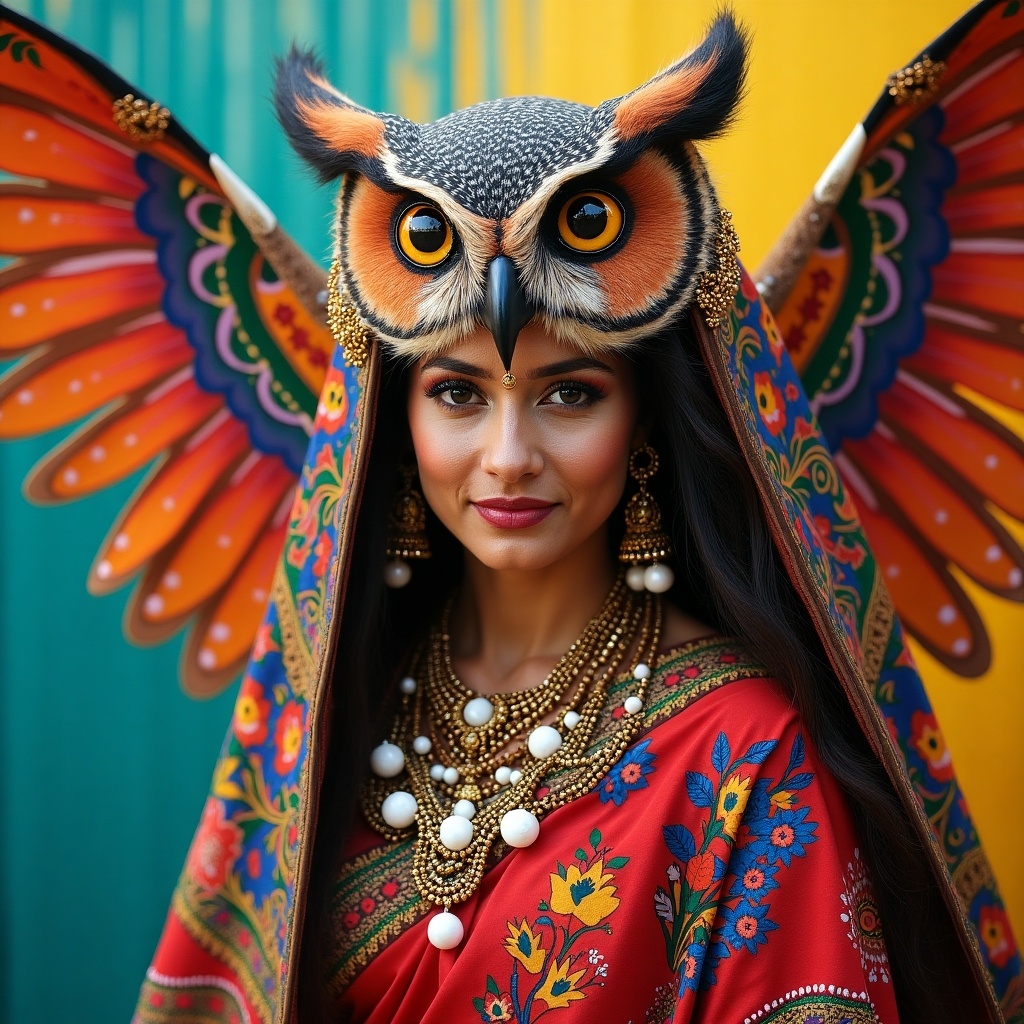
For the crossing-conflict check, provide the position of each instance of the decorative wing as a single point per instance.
(137, 297)
(905, 317)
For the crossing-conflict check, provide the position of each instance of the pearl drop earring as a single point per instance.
(407, 530)
(644, 539)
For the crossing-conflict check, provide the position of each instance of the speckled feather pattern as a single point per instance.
(491, 157)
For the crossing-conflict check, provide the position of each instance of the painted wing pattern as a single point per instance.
(906, 327)
(135, 298)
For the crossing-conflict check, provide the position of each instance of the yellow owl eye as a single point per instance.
(424, 235)
(590, 221)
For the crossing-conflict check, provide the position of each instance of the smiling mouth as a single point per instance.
(513, 513)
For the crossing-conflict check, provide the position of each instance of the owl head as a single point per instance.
(597, 222)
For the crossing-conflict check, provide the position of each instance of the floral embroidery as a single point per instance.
(288, 737)
(525, 947)
(865, 923)
(997, 936)
(548, 973)
(927, 739)
(252, 712)
(216, 847)
(725, 879)
(629, 772)
(770, 403)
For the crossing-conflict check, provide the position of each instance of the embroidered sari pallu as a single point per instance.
(715, 866)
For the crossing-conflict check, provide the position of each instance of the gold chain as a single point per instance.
(628, 622)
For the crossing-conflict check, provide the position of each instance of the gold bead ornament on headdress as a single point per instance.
(348, 329)
(717, 289)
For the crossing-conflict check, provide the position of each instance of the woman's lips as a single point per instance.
(513, 513)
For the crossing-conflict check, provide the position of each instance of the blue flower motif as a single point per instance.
(754, 877)
(785, 836)
(746, 926)
(630, 772)
(690, 968)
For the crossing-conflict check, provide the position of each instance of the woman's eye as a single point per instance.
(569, 396)
(459, 396)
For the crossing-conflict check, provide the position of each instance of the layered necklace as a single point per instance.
(460, 769)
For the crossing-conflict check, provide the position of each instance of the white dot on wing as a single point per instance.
(121, 542)
(207, 659)
(220, 631)
(153, 605)
(947, 615)
(172, 580)
(961, 647)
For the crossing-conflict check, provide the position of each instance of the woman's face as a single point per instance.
(522, 477)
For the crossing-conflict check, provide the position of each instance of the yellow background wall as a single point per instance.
(817, 68)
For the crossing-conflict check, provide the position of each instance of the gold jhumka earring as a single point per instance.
(645, 544)
(407, 529)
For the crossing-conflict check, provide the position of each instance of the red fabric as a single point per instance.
(779, 880)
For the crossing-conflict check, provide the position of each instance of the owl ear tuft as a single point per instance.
(695, 98)
(330, 132)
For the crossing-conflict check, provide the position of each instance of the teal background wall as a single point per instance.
(104, 763)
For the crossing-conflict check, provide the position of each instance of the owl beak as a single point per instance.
(506, 308)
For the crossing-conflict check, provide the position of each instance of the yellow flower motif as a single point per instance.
(559, 988)
(586, 896)
(784, 800)
(731, 803)
(525, 947)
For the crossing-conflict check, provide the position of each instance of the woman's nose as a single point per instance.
(510, 449)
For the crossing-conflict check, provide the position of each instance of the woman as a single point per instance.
(534, 789)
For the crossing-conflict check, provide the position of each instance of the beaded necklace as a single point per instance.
(477, 775)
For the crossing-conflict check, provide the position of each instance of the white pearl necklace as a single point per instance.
(454, 839)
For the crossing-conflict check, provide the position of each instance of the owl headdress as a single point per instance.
(601, 224)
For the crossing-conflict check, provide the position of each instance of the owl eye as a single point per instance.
(424, 235)
(590, 221)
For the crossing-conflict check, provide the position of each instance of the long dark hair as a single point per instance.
(731, 577)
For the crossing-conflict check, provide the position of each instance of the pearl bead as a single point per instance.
(445, 930)
(387, 760)
(515, 776)
(464, 809)
(520, 828)
(422, 744)
(399, 809)
(503, 775)
(635, 577)
(478, 711)
(408, 685)
(642, 671)
(451, 776)
(544, 741)
(658, 578)
(571, 719)
(456, 832)
(632, 705)
(397, 574)
(437, 772)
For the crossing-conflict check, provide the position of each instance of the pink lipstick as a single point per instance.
(513, 513)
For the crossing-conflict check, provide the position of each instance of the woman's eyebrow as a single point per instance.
(570, 366)
(455, 366)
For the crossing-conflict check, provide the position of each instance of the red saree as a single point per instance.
(713, 875)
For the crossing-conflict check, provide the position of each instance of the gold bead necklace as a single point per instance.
(460, 797)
